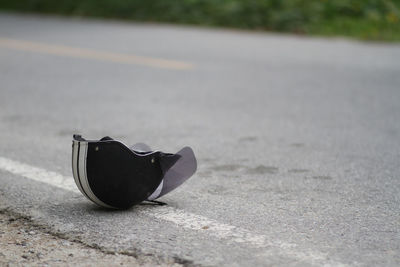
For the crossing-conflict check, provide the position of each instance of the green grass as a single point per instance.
(361, 29)
(364, 19)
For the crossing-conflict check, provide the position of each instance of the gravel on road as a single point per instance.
(23, 243)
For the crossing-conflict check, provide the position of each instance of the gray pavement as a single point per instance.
(298, 139)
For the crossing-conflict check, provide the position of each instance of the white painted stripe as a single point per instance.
(83, 176)
(199, 223)
(235, 234)
(38, 174)
(75, 165)
(81, 169)
(180, 218)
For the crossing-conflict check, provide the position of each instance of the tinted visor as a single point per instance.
(178, 173)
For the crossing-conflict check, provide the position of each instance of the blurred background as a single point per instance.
(365, 19)
(296, 133)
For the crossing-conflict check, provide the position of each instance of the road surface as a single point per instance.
(297, 139)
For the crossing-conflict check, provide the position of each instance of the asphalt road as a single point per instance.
(297, 139)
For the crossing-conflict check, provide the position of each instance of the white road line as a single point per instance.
(38, 174)
(179, 217)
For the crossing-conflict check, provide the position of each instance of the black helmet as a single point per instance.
(113, 175)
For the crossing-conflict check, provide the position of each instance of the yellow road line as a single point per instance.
(61, 50)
